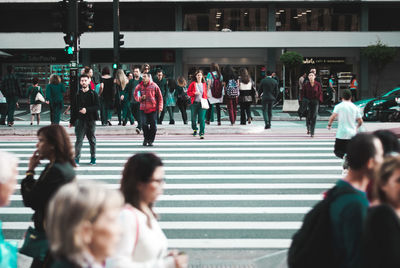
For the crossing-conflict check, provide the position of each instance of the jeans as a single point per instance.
(210, 112)
(126, 113)
(82, 128)
(232, 109)
(11, 103)
(312, 113)
(162, 114)
(267, 112)
(3, 113)
(149, 125)
(198, 113)
(244, 110)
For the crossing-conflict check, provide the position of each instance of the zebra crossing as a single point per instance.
(237, 193)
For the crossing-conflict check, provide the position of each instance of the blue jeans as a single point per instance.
(149, 125)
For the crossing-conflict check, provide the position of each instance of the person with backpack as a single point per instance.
(215, 93)
(232, 92)
(268, 91)
(331, 234)
(247, 91)
(11, 89)
(35, 105)
(84, 119)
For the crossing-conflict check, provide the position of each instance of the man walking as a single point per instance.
(11, 90)
(84, 118)
(349, 120)
(134, 105)
(162, 84)
(268, 91)
(151, 101)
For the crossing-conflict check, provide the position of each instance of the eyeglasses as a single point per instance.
(159, 181)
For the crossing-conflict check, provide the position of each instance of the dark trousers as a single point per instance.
(267, 112)
(3, 113)
(232, 109)
(126, 113)
(135, 110)
(340, 148)
(161, 115)
(198, 114)
(182, 107)
(312, 113)
(82, 128)
(244, 110)
(210, 112)
(11, 105)
(353, 95)
(55, 112)
(149, 125)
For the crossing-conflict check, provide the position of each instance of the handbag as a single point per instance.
(39, 97)
(204, 104)
(35, 244)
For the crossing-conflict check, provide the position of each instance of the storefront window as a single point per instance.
(384, 18)
(318, 19)
(225, 19)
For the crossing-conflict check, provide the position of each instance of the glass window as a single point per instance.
(340, 18)
(384, 19)
(225, 19)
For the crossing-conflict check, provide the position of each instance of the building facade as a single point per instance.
(180, 36)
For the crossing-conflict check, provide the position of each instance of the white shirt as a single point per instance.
(347, 115)
(151, 246)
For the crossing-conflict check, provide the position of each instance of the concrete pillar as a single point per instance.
(271, 18)
(85, 57)
(364, 70)
(178, 18)
(271, 59)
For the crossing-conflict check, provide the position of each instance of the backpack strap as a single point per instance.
(212, 75)
(137, 225)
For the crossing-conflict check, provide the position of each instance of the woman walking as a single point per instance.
(354, 87)
(170, 101)
(53, 145)
(197, 91)
(35, 105)
(247, 95)
(143, 244)
(182, 97)
(214, 84)
(106, 96)
(232, 92)
(54, 97)
(312, 92)
(120, 83)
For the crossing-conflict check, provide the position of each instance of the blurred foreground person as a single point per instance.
(53, 145)
(8, 180)
(82, 225)
(143, 243)
(382, 228)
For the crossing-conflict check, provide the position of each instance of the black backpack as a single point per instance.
(312, 244)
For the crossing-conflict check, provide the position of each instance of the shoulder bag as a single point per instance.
(204, 104)
(39, 97)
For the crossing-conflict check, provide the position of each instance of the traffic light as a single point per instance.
(115, 66)
(85, 16)
(69, 41)
(60, 16)
(121, 41)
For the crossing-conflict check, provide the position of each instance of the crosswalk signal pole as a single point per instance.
(116, 64)
(74, 63)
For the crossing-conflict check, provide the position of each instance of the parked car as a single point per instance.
(382, 108)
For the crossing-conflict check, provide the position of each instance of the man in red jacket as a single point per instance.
(148, 94)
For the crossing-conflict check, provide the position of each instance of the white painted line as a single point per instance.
(181, 225)
(225, 161)
(232, 210)
(229, 243)
(251, 186)
(21, 210)
(207, 168)
(247, 197)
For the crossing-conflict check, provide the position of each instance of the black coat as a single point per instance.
(36, 194)
(268, 89)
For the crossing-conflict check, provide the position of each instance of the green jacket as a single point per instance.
(54, 93)
(131, 88)
(32, 91)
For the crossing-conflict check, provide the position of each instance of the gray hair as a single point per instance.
(7, 162)
(73, 204)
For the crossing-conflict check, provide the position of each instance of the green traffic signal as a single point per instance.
(115, 66)
(69, 50)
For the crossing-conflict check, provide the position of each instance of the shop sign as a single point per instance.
(326, 60)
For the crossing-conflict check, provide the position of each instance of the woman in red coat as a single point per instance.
(198, 90)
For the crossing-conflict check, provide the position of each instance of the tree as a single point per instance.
(291, 60)
(379, 55)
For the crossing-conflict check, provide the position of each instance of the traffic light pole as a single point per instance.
(116, 32)
(74, 64)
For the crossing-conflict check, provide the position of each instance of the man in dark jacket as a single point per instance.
(11, 89)
(84, 118)
(162, 84)
(268, 91)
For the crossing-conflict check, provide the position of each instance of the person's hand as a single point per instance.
(70, 125)
(329, 127)
(17, 105)
(197, 93)
(82, 111)
(180, 258)
(122, 97)
(34, 161)
(143, 97)
(47, 102)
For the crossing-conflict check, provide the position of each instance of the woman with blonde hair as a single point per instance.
(54, 97)
(121, 98)
(82, 225)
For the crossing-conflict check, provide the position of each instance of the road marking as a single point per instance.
(229, 243)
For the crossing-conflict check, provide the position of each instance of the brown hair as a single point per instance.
(244, 75)
(196, 72)
(386, 170)
(181, 81)
(55, 79)
(59, 138)
(138, 169)
(215, 68)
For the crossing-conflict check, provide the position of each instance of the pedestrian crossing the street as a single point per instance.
(222, 194)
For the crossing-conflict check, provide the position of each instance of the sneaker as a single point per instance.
(77, 162)
(201, 137)
(195, 133)
(93, 161)
(150, 143)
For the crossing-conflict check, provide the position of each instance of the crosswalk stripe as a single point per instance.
(229, 243)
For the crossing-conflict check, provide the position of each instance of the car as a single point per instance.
(381, 108)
